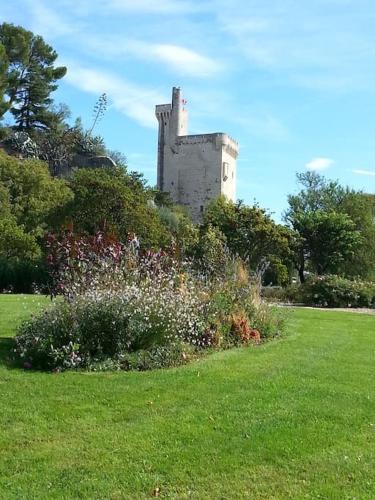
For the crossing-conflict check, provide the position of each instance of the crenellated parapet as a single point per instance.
(218, 139)
(163, 111)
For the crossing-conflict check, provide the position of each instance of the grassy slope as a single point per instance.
(294, 418)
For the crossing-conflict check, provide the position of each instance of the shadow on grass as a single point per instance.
(6, 348)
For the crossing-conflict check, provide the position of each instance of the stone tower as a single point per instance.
(193, 169)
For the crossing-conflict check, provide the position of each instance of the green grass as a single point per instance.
(291, 419)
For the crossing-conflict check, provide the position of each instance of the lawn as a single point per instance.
(294, 418)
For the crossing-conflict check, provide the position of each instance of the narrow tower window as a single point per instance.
(225, 170)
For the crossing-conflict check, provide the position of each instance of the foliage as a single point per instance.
(327, 239)
(325, 291)
(120, 301)
(185, 234)
(31, 76)
(249, 231)
(76, 262)
(23, 275)
(28, 199)
(277, 273)
(15, 242)
(21, 143)
(360, 207)
(336, 291)
(103, 324)
(210, 251)
(323, 206)
(3, 80)
(33, 194)
(61, 145)
(112, 199)
(156, 357)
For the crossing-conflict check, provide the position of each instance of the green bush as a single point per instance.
(166, 356)
(335, 291)
(23, 276)
(148, 314)
(291, 293)
(104, 324)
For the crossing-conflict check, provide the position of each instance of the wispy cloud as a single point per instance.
(155, 6)
(129, 7)
(48, 23)
(319, 164)
(322, 45)
(184, 60)
(135, 101)
(364, 172)
(179, 59)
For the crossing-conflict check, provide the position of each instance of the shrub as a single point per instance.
(104, 324)
(335, 291)
(291, 293)
(241, 330)
(25, 276)
(157, 357)
(141, 311)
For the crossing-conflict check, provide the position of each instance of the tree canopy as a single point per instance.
(30, 77)
(250, 232)
(334, 226)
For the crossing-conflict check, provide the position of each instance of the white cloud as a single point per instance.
(364, 172)
(129, 7)
(154, 6)
(184, 60)
(136, 102)
(322, 45)
(319, 164)
(47, 22)
(179, 59)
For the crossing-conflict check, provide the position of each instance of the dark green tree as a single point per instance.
(3, 80)
(31, 77)
(327, 239)
(250, 233)
(111, 199)
(29, 198)
(29, 194)
(336, 218)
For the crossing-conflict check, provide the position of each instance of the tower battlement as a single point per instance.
(193, 169)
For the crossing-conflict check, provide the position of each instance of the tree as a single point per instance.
(334, 226)
(31, 77)
(110, 199)
(327, 239)
(3, 80)
(250, 232)
(360, 207)
(29, 194)
(317, 193)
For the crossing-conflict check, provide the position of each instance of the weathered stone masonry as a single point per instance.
(193, 168)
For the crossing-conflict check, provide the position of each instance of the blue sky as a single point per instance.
(292, 81)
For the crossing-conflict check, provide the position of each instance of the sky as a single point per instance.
(293, 81)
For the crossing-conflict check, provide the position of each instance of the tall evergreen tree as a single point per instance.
(3, 80)
(31, 77)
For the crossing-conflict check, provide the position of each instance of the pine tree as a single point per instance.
(31, 77)
(3, 80)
